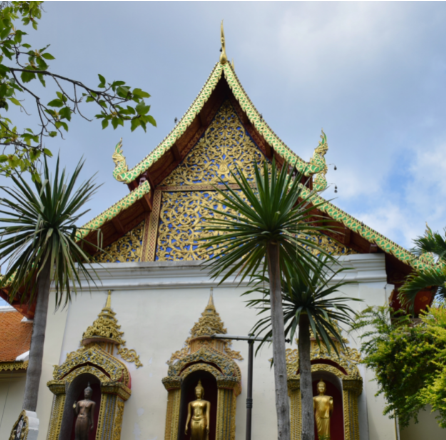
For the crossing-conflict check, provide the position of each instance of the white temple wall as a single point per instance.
(427, 428)
(54, 334)
(12, 388)
(157, 304)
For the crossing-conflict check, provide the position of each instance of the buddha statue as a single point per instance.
(198, 414)
(323, 409)
(85, 415)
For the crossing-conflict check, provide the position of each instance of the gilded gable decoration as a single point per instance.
(94, 362)
(127, 249)
(200, 357)
(224, 144)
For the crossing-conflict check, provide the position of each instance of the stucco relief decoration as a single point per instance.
(125, 250)
(348, 360)
(209, 324)
(106, 327)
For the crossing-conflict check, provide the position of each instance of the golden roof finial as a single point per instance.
(108, 302)
(210, 308)
(105, 327)
(223, 57)
(210, 322)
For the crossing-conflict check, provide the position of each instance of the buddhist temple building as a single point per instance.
(139, 340)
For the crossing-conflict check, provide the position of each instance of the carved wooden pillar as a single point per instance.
(295, 408)
(352, 388)
(226, 407)
(58, 389)
(173, 386)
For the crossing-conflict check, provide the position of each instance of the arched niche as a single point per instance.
(225, 373)
(75, 393)
(340, 371)
(109, 379)
(334, 388)
(209, 383)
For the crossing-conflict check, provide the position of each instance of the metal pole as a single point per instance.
(249, 400)
(249, 396)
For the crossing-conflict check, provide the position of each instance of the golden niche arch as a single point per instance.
(202, 357)
(94, 363)
(344, 368)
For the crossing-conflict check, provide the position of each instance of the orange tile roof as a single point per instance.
(15, 336)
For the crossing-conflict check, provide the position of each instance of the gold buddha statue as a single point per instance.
(85, 415)
(323, 409)
(200, 412)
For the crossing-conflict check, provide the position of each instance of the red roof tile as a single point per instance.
(15, 336)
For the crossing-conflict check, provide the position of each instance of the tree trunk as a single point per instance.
(38, 338)
(280, 374)
(306, 385)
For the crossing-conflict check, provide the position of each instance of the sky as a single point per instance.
(372, 75)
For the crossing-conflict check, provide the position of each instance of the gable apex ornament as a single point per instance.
(223, 57)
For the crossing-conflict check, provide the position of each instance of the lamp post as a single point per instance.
(250, 339)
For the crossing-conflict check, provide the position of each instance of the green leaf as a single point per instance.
(135, 123)
(48, 56)
(65, 113)
(47, 152)
(142, 109)
(56, 103)
(4, 69)
(15, 101)
(104, 123)
(27, 76)
(150, 120)
(42, 65)
(123, 91)
(41, 79)
(3, 158)
(140, 93)
(101, 81)
(114, 122)
(26, 45)
(53, 133)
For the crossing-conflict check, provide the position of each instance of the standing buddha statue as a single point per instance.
(200, 412)
(323, 409)
(85, 415)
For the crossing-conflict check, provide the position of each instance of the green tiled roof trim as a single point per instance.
(177, 132)
(289, 156)
(262, 127)
(368, 233)
(114, 210)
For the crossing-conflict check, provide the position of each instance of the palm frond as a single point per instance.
(39, 224)
(269, 209)
(310, 292)
(432, 242)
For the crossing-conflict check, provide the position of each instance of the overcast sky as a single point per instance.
(373, 75)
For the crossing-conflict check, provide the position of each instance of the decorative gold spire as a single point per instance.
(210, 322)
(108, 302)
(223, 57)
(106, 327)
(106, 330)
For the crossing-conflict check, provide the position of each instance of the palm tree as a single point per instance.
(433, 247)
(308, 302)
(267, 227)
(38, 243)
